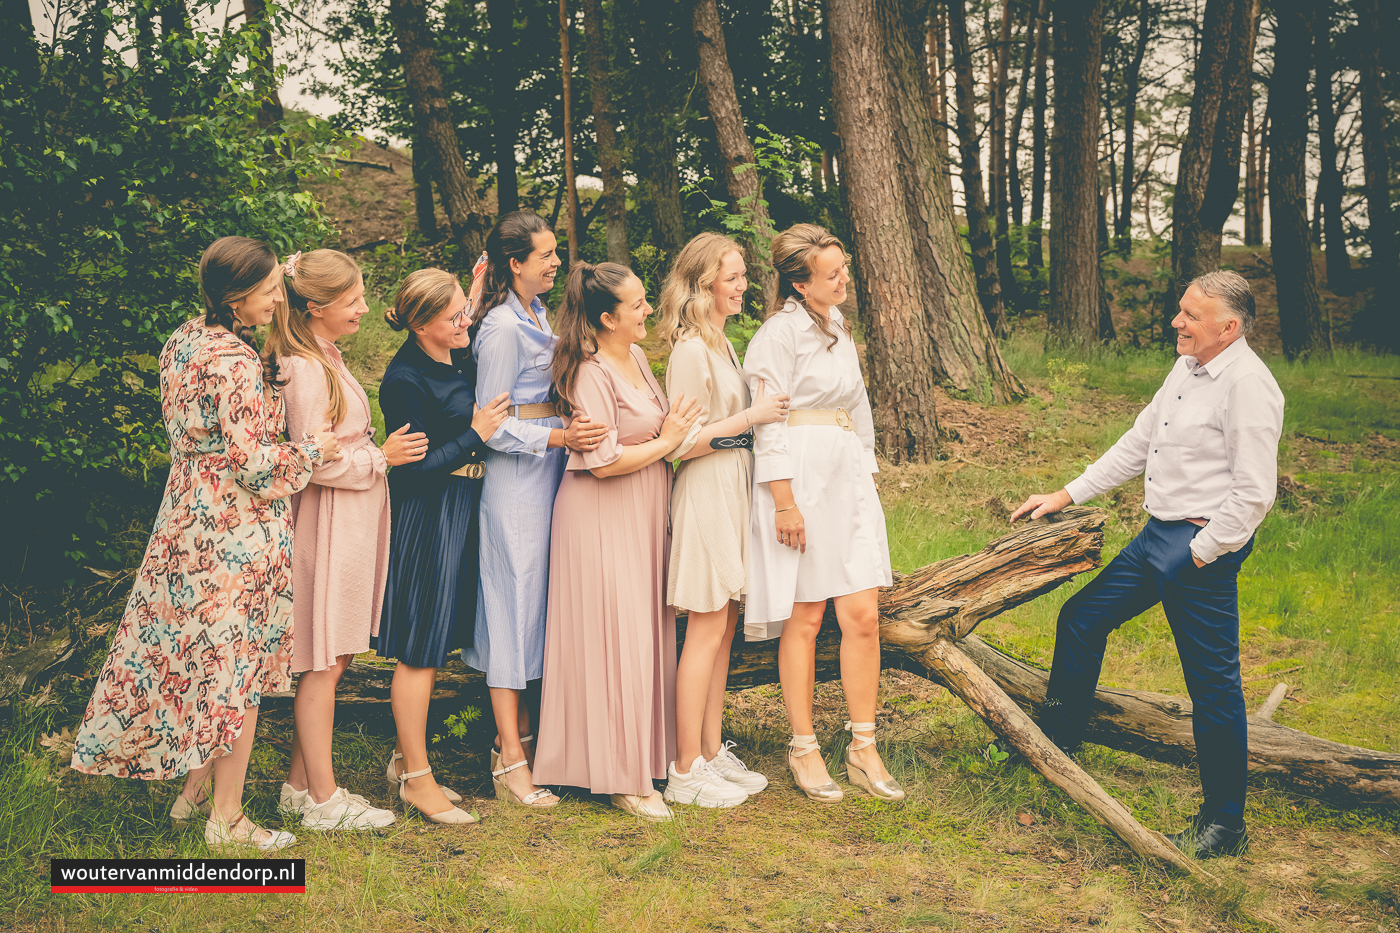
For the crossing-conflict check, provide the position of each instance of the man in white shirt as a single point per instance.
(1207, 447)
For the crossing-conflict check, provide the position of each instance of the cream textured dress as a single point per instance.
(710, 501)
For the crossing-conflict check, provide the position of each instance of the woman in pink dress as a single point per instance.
(341, 523)
(607, 714)
(207, 630)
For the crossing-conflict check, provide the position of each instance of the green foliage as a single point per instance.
(456, 724)
(115, 177)
(749, 221)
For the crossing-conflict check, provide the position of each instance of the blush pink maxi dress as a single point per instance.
(607, 713)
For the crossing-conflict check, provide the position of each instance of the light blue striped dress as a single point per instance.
(517, 498)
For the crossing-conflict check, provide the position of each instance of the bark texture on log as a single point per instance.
(1158, 726)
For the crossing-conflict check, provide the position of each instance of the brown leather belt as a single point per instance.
(471, 471)
(532, 412)
(838, 418)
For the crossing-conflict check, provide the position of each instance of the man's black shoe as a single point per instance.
(1210, 840)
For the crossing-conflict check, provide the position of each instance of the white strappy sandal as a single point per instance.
(391, 775)
(455, 815)
(533, 799)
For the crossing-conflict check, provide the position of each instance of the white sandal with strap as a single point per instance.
(532, 799)
(822, 793)
(885, 790)
(454, 815)
(392, 776)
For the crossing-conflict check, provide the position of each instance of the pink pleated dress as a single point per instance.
(607, 712)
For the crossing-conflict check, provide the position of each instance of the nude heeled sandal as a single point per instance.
(532, 799)
(496, 752)
(454, 815)
(392, 776)
(885, 790)
(822, 793)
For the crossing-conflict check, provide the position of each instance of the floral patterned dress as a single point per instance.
(207, 629)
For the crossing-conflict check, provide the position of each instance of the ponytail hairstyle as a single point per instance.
(421, 298)
(591, 292)
(687, 304)
(793, 252)
(513, 237)
(230, 269)
(321, 276)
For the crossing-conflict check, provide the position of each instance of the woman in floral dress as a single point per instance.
(207, 630)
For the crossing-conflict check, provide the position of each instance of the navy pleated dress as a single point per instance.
(430, 596)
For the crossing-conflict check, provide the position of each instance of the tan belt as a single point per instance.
(839, 418)
(532, 412)
(471, 471)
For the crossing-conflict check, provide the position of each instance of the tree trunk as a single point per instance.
(1329, 182)
(940, 53)
(1074, 172)
(1301, 325)
(571, 221)
(1013, 162)
(425, 211)
(1001, 207)
(1385, 250)
(270, 110)
(979, 234)
(500, 17)
(1035, 258)
(744, 186)
(1123, 224)
(1253, 193)
(605, 130)
(466, 213)
(1207, 181)
(655, 148)
(918, 298)
(17, 36)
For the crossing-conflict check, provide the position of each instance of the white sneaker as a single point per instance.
(343, 810)
(703, 786)
(291, 801)
(732, 770)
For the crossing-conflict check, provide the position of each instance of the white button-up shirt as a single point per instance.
(1207, 446)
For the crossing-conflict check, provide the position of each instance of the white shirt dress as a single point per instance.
(832, 472)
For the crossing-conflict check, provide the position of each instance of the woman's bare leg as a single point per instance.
(315, 725)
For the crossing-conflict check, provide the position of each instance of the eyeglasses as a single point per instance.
(459, 318)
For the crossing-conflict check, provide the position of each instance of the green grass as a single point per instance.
(1318, 592)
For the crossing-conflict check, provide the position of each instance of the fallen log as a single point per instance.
(1158, 726)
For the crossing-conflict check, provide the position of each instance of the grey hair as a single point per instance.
(1234, 293)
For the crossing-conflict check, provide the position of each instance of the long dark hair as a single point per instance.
(230, 269)
(793, 251)
(591, 292)
(513, 237)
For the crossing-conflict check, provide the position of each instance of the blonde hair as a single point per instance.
(687, 304)
(322, 276)
(422, 296)
(793, 252)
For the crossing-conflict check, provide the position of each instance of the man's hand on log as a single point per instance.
(1041, 505)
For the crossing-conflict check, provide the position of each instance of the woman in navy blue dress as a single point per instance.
(430, 596)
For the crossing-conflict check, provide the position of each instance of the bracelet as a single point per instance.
(793, 506)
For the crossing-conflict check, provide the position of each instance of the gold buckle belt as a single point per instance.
(532, 412)
(839, 418)
(471, 471)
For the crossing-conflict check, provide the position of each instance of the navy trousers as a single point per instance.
(1202, 607)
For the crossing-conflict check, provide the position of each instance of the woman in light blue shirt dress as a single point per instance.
(514, 347)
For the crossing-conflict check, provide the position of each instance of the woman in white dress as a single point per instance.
(818, 531)
(709, 567)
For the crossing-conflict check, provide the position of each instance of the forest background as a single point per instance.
(1023, 185)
